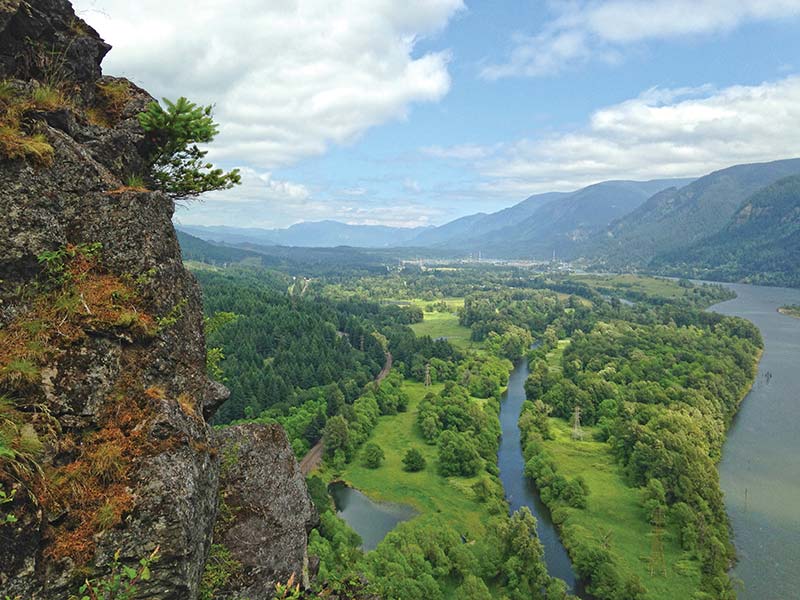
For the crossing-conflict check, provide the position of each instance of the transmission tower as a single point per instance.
(577, 432)
(428, 375)
(657, 562)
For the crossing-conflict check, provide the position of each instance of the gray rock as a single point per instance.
(270, 510)
(150, 383)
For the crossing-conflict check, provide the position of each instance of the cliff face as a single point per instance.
(103, 389)
(265, 510)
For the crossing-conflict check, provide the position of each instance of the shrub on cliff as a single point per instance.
(177, 165)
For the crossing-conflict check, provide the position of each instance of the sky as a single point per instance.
(417, 112)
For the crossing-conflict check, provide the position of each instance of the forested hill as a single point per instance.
(307, 262)
(560, 224)
(464, 232)
(544, 222)
(760, 244)
(677, 218)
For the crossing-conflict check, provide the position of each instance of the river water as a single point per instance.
(760, 467)
(519, 490)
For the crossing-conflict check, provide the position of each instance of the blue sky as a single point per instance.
(414, 113)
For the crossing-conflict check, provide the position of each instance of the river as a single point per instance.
(760, 467)
(759, 471)
(519, 490)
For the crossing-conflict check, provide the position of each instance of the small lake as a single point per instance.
(370, 519)
(518, 488)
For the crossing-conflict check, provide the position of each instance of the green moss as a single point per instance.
(220, 569)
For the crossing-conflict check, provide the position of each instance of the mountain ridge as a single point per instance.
(680, 217)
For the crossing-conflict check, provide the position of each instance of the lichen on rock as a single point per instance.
(266, 512)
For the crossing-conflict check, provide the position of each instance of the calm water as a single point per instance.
(760, 467)
(371, 520)
(519, 491)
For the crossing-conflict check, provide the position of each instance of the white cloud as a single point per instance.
(411, 186)
(459, 152)
(661, 133)
(266, 202)
(587, 30)
(356, 191)
(288, 78)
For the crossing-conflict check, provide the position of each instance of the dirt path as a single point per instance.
(314, 456)
(386, 368)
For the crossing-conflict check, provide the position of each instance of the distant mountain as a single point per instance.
(563, 222)
(295, 260)
(676, 218)
(462, 232)
(311, 234)
(545, 222)
(760, 243)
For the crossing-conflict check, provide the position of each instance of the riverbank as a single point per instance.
(615, 520)
(614, 541)
(451, 498)
(790, 311)
(759, 470)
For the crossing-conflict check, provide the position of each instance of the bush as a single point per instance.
(177, 165)
(458, 454)
(373, 456)
(413, 461)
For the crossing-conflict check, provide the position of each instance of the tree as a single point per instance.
(177, 165)
(337, 436)
(458, 454)
(373, 456)
(473, 588)
(413, 461)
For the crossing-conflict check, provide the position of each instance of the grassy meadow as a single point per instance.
(614, 516)
(428, 492)
(444, 324)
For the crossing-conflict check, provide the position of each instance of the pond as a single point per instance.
(370, 519)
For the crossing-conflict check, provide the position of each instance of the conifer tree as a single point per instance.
(177, 165)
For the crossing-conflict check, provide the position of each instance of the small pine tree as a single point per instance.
(177, 166)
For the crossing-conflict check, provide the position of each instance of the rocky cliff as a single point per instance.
(104, 446)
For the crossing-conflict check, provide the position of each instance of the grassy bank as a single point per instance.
(427, 491)
(614, 517)
(790, 310)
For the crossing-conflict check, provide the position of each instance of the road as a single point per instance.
(314, 456)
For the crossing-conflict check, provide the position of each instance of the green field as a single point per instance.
(652, 286)
(554, 356)
(444, 324)
(427, 491)
(614, 516)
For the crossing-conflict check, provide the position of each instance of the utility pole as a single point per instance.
(657, 562)
(577, 432)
